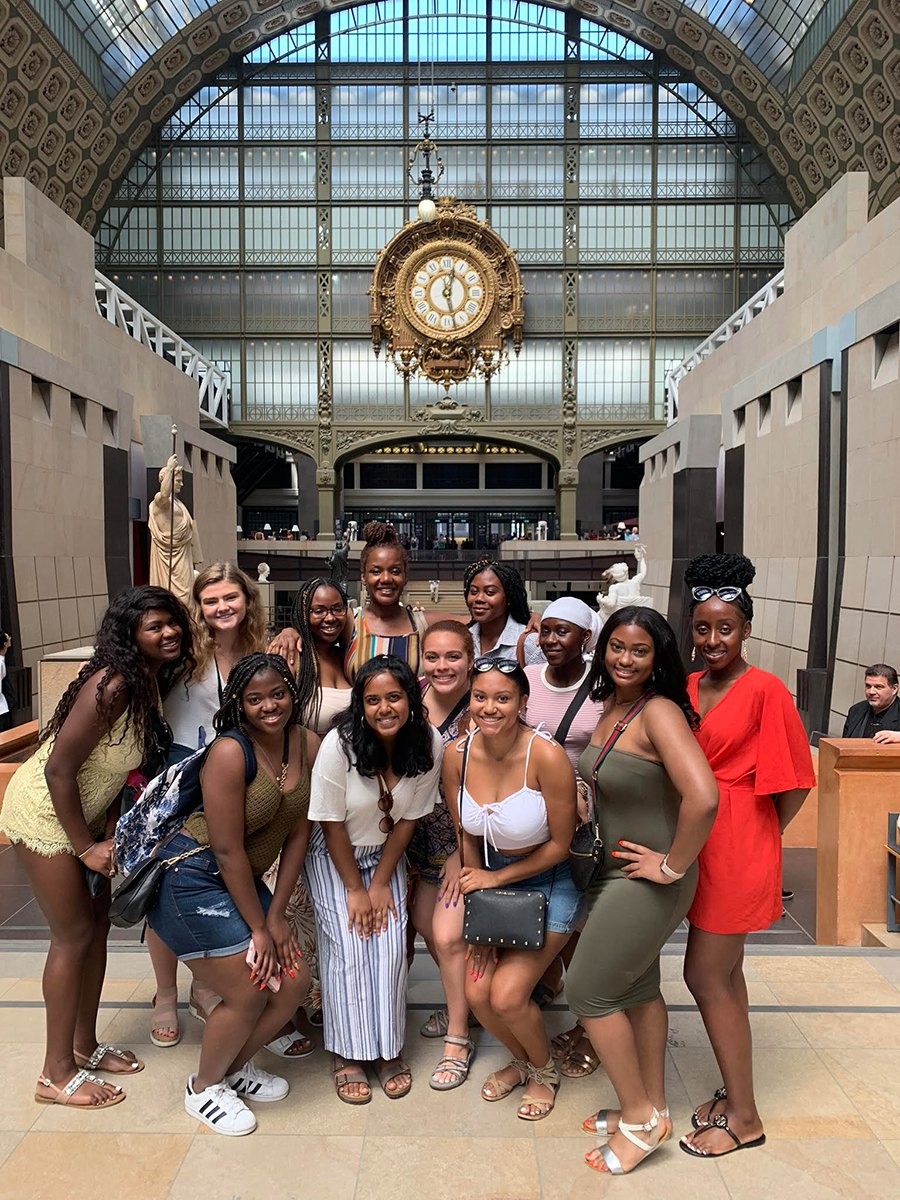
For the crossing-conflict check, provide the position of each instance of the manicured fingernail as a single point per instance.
(621, 843)
(291, 973)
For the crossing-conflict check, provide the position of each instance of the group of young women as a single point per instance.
(445, 766)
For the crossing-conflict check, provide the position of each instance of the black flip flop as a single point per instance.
(720, 1121)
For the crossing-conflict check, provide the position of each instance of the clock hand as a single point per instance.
(448, 290)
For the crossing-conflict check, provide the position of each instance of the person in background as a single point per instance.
(59, 812)
(435, 908)
(754, 740)
(878, 716)
(569, 629)
(5, 714)
(497, 602)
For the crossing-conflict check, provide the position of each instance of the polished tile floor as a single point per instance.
(827, 1052)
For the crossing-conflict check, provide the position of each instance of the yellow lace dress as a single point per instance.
(28, 816)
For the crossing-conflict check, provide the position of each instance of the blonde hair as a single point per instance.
(252, 635)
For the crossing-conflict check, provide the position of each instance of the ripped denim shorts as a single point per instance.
(194, 913)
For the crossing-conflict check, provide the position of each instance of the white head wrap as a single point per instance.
(568, 608)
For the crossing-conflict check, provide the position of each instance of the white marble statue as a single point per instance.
(262, 572)
(541, 531)
(351, 532)
(434, 588)
(174, 544)
(624, 591)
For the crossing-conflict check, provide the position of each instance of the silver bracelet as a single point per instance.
(668, 872)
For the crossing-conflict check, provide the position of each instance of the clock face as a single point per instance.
(446, 292)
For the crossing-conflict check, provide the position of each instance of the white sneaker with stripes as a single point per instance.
(253, 1083)
(219, 1107)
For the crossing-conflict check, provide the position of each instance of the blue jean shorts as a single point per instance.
(564, 901)
(194, 913)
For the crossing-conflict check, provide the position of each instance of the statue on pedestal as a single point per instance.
(623, 592)
(351, 533)
(338, 561)
(174, 543)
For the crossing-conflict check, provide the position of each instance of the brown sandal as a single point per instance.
(581, 1061)
(346, 1073)
(64, 1094)
(164, 1028)
(500, 1087)
(547, 1076)
(389, 1069)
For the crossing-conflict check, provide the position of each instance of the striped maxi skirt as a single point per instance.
(364, 982)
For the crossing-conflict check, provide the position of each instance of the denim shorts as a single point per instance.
(194, 913)
(564, 901)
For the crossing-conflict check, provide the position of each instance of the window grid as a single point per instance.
(279, 111)
(281, 381)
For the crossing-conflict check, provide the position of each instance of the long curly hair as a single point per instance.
(252, 635)
(377, 534)
(308, 668)
(668, 678)
(231, 713)
(117, 656)
(510, 581)
(722, 570)
(413, 750)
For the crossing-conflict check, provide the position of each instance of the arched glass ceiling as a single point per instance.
(112, 39)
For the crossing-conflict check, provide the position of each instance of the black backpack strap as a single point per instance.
(246, 745)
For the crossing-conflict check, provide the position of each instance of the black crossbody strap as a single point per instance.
(562, 730)
(459, 802)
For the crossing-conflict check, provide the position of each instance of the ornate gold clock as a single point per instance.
(446, 296)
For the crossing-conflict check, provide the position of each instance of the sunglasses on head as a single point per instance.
(728, 594)
(506, 666)
(385, 804)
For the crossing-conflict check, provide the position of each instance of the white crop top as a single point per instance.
(514, 823)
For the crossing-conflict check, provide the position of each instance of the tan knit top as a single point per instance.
(268, 816)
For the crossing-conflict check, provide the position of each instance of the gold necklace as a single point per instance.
(279, 776)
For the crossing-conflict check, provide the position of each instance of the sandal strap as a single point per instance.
(628, 1131)
(453, 1066)
(720, 1121)
(102, 1050)
(548, 1075)
(453, 1040)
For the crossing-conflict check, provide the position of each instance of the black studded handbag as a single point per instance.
(507, 918)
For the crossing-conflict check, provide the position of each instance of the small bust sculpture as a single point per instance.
(624, 591)
(262, 572)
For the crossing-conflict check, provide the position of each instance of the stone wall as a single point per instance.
(807, 400)
(85, 411)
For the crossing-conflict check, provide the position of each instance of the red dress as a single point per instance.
(755, 742)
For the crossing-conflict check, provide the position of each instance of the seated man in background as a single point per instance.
(878, 716)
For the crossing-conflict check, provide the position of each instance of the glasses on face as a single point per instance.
(326, 610)
(506, 666)
(728, 594)
(385, 804)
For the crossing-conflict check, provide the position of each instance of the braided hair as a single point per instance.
(116, 655)
(723, 570)
(413, 752)
(377, 534)
(231, 714)
(668, 678)
(511, 582)
(308, 668)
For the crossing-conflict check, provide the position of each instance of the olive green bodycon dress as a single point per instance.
(616, 962)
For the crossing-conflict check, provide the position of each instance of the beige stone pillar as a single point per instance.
(859, 784)
(566, 495)
(325, 488)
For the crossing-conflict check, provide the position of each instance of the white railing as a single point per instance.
(753, 307)
(214, 383)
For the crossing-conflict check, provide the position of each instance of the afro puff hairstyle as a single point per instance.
(722, 570)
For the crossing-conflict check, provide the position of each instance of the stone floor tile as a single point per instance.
(21, 1067)
(871, 1078)
(892, 1145)
(155, 1100)
(6, 984)
(666, 1175)
(769, 1029)
(448, 1168)
(259, 1167)
(837, 1030)
(812, 1169)
(8, 1143)
(86, 1164)
(676, 992)
(131, 1026)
